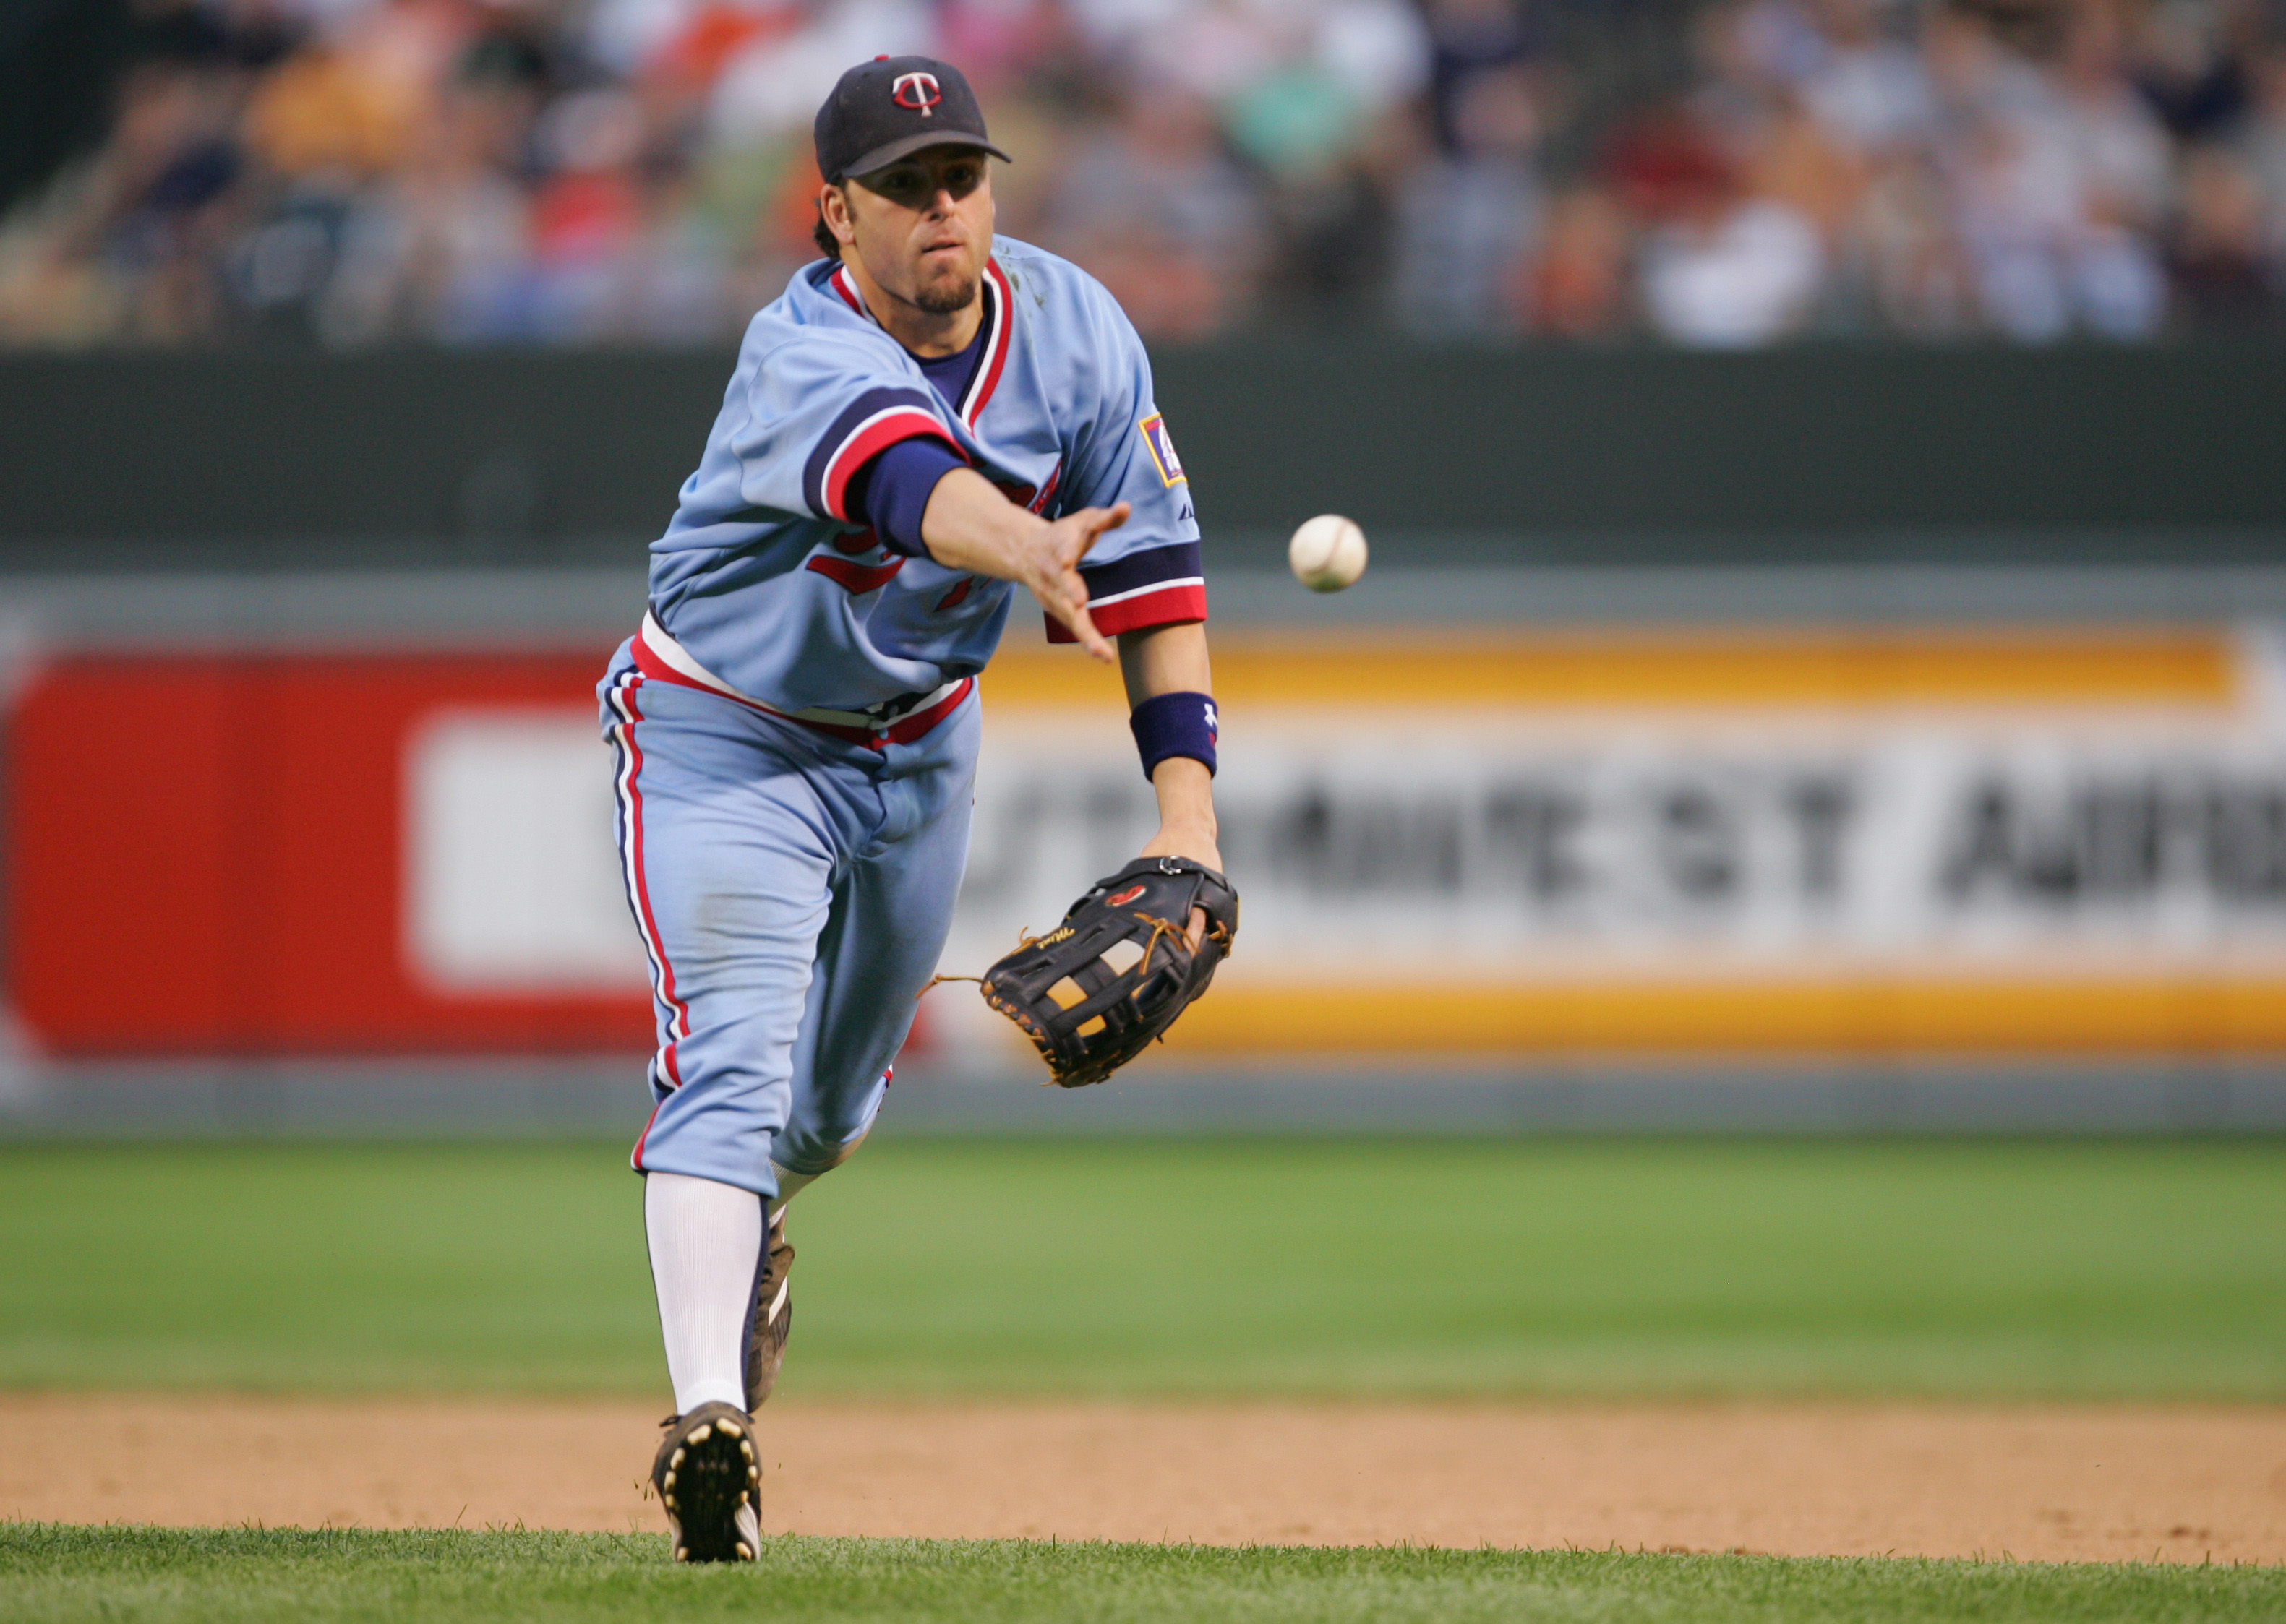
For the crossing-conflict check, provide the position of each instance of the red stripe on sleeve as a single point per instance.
(1170, 606)
(870, 442)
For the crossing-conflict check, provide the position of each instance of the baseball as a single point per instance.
(1327, 554)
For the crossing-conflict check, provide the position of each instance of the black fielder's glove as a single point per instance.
(1094, 990)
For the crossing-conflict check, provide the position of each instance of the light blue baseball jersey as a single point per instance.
(767, 581)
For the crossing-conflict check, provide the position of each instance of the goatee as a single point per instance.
(947, 301)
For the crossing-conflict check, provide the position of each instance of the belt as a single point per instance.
(894, 721)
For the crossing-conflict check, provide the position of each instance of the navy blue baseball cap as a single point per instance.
(892, 106)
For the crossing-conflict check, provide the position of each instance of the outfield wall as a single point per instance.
(1834, 852)
(1565, 454)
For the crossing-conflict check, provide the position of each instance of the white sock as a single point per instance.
(705, 1247)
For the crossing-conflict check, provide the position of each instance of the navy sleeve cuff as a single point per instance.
(892, 489)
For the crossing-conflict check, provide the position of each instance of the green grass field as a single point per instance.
(2153, 1269)
(52, 1573)
(2150, 1268)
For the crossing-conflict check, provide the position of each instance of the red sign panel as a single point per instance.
(207, 856)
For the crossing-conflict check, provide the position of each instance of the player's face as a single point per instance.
(924, 227)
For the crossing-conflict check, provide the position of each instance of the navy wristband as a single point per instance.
(1175, 725)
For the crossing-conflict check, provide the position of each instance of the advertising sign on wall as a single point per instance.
(1788, 843)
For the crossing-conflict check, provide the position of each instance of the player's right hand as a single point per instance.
(971, 525)
(1057, 582)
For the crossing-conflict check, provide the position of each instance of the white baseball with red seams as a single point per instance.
(1327, 554)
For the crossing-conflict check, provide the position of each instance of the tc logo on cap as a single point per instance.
(918, 92)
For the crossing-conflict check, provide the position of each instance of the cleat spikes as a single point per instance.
(708, 1476)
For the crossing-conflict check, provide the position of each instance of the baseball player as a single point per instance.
(927, 418)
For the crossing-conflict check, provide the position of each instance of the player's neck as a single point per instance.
(926, 333)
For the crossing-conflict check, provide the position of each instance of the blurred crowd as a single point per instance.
(355, 172)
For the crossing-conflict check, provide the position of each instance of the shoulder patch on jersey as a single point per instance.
(1162, 450)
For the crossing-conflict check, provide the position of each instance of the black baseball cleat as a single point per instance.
(710, 1480)
(773, 1317)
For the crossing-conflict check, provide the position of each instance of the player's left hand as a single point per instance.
(1200, 845)
(1133, 974)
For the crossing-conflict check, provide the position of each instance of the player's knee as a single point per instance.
(812, 1147)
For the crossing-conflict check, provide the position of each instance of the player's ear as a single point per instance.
(833, 215)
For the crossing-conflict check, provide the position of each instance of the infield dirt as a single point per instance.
(2106, 1483)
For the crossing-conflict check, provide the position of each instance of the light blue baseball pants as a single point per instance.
(793, 890)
